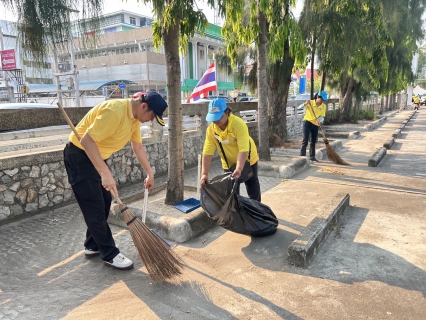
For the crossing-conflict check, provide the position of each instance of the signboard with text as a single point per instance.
(8, 61)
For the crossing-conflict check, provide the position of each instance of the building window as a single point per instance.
(132, 21)
(143, 22)
(201, 54)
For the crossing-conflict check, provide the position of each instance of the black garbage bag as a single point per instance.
(234, 212)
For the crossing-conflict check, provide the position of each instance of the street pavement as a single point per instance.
(370, 266)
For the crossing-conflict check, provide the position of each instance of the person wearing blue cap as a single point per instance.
(105, 129)
(314, 116)
(229, 134)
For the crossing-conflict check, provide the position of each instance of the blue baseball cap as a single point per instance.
(156, 103)
(216, 109)
(323, 95)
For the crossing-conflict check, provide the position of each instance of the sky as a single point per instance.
(136, 6)
(116, 5)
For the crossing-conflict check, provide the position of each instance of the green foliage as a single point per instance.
(44, 25)
(363, 115)
(170, 13)
(241, 28)
(332, 117)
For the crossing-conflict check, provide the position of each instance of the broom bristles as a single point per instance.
(159, 260)
(333, 155)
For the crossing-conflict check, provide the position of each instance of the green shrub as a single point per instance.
(364, 115)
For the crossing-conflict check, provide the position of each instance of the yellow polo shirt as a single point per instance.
(237, 135)
(319, 112)
(417, 100)
(111, 125)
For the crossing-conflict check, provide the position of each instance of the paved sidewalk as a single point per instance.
(371, 266)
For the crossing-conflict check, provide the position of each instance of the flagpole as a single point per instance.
(217, 75)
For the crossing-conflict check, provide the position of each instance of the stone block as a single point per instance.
(377, 157)
(396, 133)
(303, 249)
(388, 144)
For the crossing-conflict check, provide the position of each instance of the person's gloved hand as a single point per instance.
(321, 119)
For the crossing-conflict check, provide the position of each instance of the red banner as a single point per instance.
(8, 61)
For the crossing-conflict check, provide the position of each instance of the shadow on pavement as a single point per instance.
(343, 259)
(252, 296)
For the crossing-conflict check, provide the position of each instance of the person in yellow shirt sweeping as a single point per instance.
(105, 129)
(417, 103)
(230, 136)
(315, 113)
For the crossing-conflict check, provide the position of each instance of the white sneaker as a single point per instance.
(89, 253)
(120, 262)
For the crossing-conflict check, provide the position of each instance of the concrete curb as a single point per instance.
(396, 133)
(283, 171)
(174, 229)
(377, 157)
(342, 135)
(375, 124)
(388, 144)
(322, 153)
(302, 250)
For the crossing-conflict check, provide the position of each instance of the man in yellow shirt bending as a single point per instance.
(315, 113)
(104, 130)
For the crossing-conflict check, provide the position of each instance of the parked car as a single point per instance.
(245, 99)
(227, 100)
(208, 99)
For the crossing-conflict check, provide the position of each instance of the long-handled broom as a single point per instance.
(159, 260)
(331, 154)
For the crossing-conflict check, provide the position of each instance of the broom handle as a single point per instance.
(319, 124)
(199, 177)
(67, 119)
(145, 205)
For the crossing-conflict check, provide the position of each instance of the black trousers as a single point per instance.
(309, 130)
(94, 201)
(252, 185)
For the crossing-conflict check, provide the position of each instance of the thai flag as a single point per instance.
(207, 83)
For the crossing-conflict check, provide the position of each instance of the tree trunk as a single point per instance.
(387, 103)
(381, 105)
(262, 87)
(324, 76)
(175, 183)
(279, 84)
(347, 100)
(314, 42)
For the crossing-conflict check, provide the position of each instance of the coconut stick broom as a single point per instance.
(331, 154)
(159, 260)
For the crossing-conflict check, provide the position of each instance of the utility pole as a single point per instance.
(58, 83)
(74, 64)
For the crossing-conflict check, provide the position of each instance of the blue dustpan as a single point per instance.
(188, 205)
